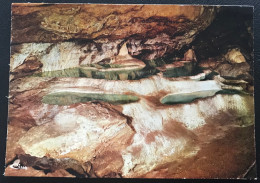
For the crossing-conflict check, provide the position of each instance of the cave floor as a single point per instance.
(223, 157)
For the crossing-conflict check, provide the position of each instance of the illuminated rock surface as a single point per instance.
(127, 91)
(157, 133)
(159, 29)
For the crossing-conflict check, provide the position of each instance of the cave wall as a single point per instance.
(149, 32)
(150, 91)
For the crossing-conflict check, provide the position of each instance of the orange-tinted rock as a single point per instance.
(202, 135)
(51, 22)
(161, 29)
(190, 55)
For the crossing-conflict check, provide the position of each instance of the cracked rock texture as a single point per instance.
(129, 140)
(150, 32)
(130, 91)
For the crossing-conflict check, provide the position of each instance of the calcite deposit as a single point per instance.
(120, 91)
(150, 32)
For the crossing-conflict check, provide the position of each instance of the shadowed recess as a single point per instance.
(67, 98)
(232, 91)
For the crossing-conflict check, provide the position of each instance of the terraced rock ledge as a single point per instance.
(129, 91)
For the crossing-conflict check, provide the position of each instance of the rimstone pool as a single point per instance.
(131, 91)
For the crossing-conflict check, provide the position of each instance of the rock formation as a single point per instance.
(121, 91)
(149, 31)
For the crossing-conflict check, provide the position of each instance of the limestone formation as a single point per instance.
(123, 135)
(235, 71)
(235, 56)
(127, 91)
(159, 29)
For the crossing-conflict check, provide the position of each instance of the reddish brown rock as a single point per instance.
(82, 132)
(29, 66)
(31, 172)
(144, 138)
(235, 71)
(102, 135)
(190, 55)
(14, 134)
(210, 63)
(161, 29)
(54, 22)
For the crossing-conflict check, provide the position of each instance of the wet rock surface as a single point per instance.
(135, 135)
(129, 91)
